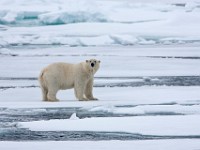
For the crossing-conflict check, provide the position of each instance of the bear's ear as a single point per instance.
(87, 61)
(99, 61)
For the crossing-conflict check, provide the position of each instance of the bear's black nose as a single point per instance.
(92, 64)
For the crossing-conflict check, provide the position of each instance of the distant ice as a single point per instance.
(99, 23)
(135, 61)
(71, 17)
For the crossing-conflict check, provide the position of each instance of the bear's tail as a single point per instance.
(43, 86)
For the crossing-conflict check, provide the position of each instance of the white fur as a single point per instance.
(60, 76)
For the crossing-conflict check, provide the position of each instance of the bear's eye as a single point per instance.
(95, 62)
(90, 61)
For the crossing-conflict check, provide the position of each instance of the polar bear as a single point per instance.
(61, 76)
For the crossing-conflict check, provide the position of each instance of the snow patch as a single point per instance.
(74, 117)
(148, 109)
(151, 125)
(172, 144)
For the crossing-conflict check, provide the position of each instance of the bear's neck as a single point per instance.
(90, 71)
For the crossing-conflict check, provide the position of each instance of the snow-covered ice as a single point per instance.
(159, 110)
(106, 145)
(148, 83)
(130, 95)
(151, 125)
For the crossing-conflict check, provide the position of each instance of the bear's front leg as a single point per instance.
(79, 91)
(88, 90)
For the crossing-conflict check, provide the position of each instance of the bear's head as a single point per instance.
(93, 65)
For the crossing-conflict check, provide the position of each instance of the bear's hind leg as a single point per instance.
(44, 93)
(52, 95)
